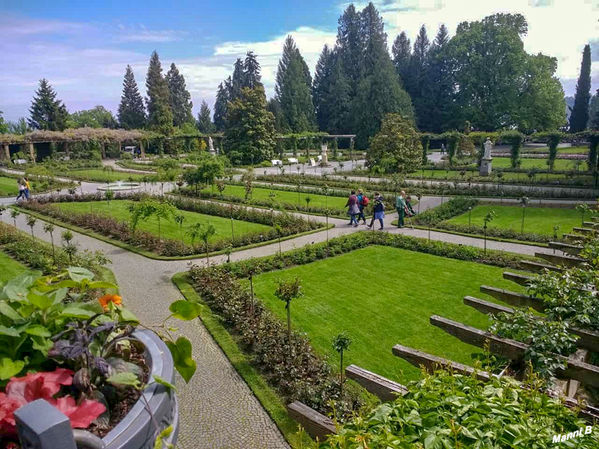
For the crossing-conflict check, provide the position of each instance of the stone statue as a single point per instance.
(488, 145)
(210, 145)
(323, 151)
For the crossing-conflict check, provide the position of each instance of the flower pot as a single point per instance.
(42, 426)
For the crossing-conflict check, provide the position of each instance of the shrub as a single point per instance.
(452, 208)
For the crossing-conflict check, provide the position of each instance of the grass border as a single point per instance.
(268, 398)
(149, 254)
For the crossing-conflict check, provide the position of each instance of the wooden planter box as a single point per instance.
(42, 426)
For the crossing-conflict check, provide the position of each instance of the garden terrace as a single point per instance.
(233, 226)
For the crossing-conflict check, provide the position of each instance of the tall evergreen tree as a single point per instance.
(180, 99)
(160, 115)
(321, 88)
(350, 46)
(401, 56)
(274, 107)
(293, 90)
(416, 82)
(379, 91)
(436, 93)
(594, 112)
(580, 112)
(131, 114)
(250, 132)
(251, 69)
(237, 80)
(46, 111)
(204, 123)
(220, 107)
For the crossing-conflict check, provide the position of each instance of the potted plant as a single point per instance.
(64, 344)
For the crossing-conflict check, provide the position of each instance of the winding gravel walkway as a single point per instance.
(217, 408)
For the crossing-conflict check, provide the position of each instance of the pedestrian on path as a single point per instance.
(400, 206)
(27, 188)
(352, 208)
(379, 211)
(21, 186)
(362, 203)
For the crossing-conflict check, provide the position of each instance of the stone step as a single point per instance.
(574, 237)
(380, 386)
(569, 248)
(584, 230)
(590, 224)
(567, 261)
(513, 298)
(517, 278)
(316, 424)
(587, 339)
(538, 267)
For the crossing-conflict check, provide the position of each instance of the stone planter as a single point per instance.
(42, 426)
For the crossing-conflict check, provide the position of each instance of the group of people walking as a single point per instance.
(24, 188)
(357, 202)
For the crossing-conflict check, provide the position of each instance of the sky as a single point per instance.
(83, 47)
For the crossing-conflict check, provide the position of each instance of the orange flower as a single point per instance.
(115, 299)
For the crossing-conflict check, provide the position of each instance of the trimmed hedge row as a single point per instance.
(452, 208)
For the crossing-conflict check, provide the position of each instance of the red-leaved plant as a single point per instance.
(45, 385)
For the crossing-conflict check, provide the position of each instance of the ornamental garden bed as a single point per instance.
(176, 227)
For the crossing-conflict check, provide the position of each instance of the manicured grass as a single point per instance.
(507, 176)
(565, 150)
(8, 186)
(560, 164)
(269, 399)
(99, 175)
(382, 296)
(168, 229)
(262, 193)
(9, 268)
(538, 220)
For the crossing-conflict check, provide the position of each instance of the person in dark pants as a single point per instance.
(379, 211)
(362, 203)
(400, 206)
(353, 209)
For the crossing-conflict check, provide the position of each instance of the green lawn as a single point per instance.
(262, 193)
(566, 150)
(382, 296)
(538, 220)
(169, 229)
(507, 176)
(9, 268)
(560, 164)
(8, 186)
(99, 175)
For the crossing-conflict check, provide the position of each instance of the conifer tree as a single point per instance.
(237, 80)
(594, 112)
(131, 114)
(350, 46)
(401, 56)
(220, 107)
(293, 90)
(321, 88)
(179, 97)
(274, 107)
(250, 132)
(251, 69)
(205, 124)
(379, 91)
(160, 115)
(46, 111)
(580, 111)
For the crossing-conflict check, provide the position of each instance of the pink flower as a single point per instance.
(38, 385)
(81, 415)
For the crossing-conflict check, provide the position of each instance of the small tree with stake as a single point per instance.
(14, 214)
(69, 247)
(341, 343)
(179, 219)
(486, 220)
(523, 203)
(49, 229)
(31, 223)
(205, 234)
(308, 199)
(583, 208)
(287, 291)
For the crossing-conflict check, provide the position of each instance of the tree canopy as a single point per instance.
(396, 147)
(580, 112)
(132, 113)
(179, 97)
(160, 115)
(47, 112)
(204, 122)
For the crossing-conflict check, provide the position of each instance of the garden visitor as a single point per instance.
(27, 188)
(21, 186)
(379, 211)
(353, 209)
(409, 209)
(362, 203)
(400, 205)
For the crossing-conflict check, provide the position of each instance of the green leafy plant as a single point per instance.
(486, 220)
(287, 291)
(341, 343)
(31, 221)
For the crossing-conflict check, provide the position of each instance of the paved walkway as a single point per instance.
(217, 408)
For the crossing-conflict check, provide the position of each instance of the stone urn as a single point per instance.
(42, 426)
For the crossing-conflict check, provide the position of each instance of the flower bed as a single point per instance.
(285, 225)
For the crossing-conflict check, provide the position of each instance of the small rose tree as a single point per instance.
(287, 291)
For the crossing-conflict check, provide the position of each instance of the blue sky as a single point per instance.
(82, 48)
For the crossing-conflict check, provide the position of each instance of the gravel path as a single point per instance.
(217, 408)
